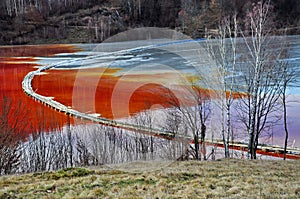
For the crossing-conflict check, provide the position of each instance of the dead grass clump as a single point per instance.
(234, 190)
(297, 191)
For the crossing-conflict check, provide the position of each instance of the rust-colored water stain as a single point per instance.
(16, 60)
(113, 96)
(33, 116)
(34, 51)
(60, 84)
(97, 85)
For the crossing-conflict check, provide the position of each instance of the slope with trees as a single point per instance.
(73, 21)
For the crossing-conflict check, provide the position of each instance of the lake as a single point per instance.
(118, 80)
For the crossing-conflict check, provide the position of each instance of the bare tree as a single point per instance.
(284, 88)
(144, 143)
(173, 149)
(47, 149)
(288, 77)
(194, 108)
(12, 132)
(261, 75)
(224, 51)
(70, 142)
(43, 152)
(85, 157)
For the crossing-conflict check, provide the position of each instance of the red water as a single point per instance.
(104, 99)
(29, 116)
(24, 113)
(60, 84)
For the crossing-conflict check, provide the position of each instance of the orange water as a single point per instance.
(24, 113)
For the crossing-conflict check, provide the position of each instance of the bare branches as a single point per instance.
(12, 124)
(193, 107)
(224, 52)
(263, 77)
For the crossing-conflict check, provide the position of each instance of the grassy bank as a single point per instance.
(219, 179)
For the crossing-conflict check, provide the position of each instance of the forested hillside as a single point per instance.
(73, 21)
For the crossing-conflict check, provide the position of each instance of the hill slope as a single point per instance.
(82, 21)
(219, 179)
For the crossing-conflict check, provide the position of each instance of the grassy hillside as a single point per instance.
(219, 179)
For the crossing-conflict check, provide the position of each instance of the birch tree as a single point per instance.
(262, 78)
(224, 51)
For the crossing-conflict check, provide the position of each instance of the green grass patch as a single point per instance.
(70, 173)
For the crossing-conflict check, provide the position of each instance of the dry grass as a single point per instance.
(219, 179)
